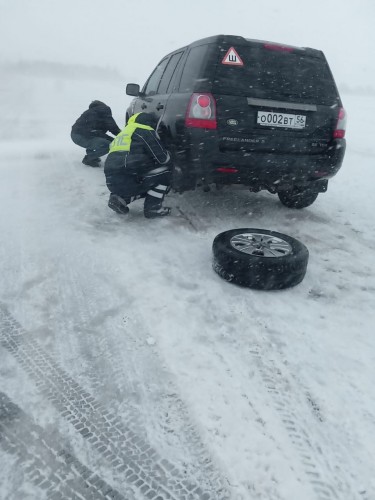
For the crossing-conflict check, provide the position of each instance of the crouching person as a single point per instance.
(90, 132)
(138, 166)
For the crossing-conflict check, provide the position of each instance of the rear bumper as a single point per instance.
(258, 170)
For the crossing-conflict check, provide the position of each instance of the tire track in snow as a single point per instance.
(127, 453)
(327, 480)
(55, 472)
(109, 369)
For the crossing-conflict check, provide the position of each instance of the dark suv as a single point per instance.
(239, 111)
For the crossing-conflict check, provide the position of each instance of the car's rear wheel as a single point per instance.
(259, 258)
(298, 197)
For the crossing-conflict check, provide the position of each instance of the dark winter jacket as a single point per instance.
(137, 150)
(96, 121)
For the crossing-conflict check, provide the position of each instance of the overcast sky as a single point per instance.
(132, 36)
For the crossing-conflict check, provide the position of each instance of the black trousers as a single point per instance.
(95, 146)
(153, 186)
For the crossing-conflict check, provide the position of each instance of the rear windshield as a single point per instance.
(278, 75)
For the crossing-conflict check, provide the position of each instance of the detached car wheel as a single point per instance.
(260, 259)
(298, 197)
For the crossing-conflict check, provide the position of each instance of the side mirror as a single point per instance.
(132, 89)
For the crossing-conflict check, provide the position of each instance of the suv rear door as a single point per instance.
(156, 90)
(279, 99)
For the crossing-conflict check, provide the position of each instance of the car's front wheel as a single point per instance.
(298, 197)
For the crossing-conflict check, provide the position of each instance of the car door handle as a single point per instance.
(144, 106)
(160, 106)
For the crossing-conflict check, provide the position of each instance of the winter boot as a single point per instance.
(118, 204)
(153, 206)
(91, 163)
(157, 212)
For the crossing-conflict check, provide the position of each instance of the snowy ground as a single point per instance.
(130, 370)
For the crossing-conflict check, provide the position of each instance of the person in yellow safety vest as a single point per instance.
(138, 166)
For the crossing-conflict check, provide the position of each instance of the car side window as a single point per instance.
(153, 82)
(194, 66)
(168, 73)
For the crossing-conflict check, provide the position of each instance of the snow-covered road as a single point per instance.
(129, 369)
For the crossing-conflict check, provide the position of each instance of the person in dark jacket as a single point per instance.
(138, 166)
(90, 132)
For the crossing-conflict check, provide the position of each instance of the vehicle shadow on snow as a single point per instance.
(236, 205)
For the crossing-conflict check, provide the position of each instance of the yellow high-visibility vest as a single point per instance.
(122, 141)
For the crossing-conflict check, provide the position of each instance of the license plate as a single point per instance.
(284, 120)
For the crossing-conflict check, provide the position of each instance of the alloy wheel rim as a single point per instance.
(261, 245)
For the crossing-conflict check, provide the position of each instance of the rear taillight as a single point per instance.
(278, 47)
(339, 131)
(201, 111)
(227, 170)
